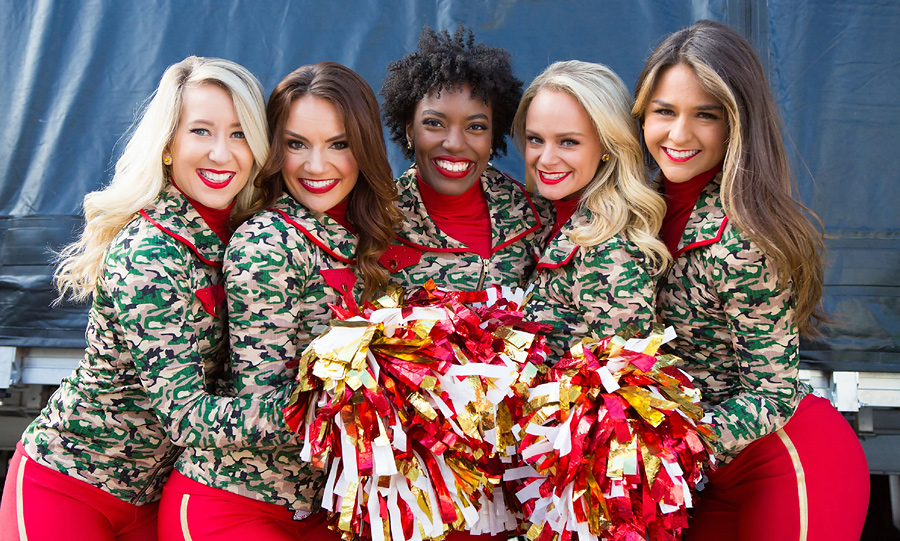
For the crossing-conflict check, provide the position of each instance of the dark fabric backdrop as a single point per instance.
(75, 72)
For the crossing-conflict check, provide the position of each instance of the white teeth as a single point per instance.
(681, 154)
(318, 183)
(553, 176)
(456, 167)
(215, 177)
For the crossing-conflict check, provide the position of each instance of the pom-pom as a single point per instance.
(407, 407)
(613, 443)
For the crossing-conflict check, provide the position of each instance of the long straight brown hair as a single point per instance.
(757, 182)
(371, 207)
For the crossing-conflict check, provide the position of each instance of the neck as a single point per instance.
(338, 213)
(464, 217)
(564, 210)
(216, 219)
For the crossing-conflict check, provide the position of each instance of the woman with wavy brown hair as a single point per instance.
(324, 218)
(745, 284)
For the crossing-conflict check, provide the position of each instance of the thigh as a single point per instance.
(190, 510)
(42, 504)
(835, 471)
(753, 497)
(143, 527)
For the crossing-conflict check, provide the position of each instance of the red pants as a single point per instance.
(807, 481)
(193, 511)
(41, 503)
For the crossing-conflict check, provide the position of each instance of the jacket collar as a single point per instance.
(513, 214)
(321, 229)
(561, 248)
(174, 215)
(707, 221)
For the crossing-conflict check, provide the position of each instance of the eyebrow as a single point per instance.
(442, 115)
(211, 123)
(563, 134)
(329, 140)
(709, 107)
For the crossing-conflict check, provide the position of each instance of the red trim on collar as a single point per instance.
(704, 242)
(181, 239)
(313, 238)
(494, 249)
(558, 265)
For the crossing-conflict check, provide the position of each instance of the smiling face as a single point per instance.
(211, 160)
(319, 168)
(562, 148)
(452, 136)
(685, 127)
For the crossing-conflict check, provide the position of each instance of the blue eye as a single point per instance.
(238, 135)
(200, 131)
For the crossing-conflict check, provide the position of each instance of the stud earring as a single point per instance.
(605, 157)
(167, 160)
(643, 126)
(408, 145)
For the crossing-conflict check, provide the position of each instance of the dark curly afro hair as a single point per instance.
(445, 61)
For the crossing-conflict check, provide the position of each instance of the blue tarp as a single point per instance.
(74, 74)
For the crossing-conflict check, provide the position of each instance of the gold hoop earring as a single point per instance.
(167, 160)
(605, 157)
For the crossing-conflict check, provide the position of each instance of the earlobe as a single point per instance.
(409, 138)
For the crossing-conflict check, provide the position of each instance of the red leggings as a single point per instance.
(807, 481)
(41, 503)
(193, 511)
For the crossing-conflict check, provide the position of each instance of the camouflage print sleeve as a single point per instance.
(153, 286)
(266, 271)
(759, 315)
(614, 289)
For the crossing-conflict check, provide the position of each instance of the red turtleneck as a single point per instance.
(216, 219)
(681, 197)
(338, 213)
(464, 217)
(564, 211)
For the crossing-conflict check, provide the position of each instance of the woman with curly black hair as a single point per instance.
(449, 105)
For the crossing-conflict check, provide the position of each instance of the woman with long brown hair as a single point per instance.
(745, 284)
(324, 218)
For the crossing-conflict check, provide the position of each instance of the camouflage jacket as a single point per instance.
(422, 251)
(735, 327)
(282, 268)
(154, 340)
(593, 291)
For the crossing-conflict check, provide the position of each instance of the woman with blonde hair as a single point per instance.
(745, 284)
(92, 465)
(596, 275)
(324, 216)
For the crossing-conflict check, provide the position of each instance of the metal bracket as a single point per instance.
(10, 370)
(845, 387)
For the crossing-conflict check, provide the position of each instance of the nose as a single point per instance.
(548, 156)
(220, 153)
(680, 130)
(455, 140)
(315, 163)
